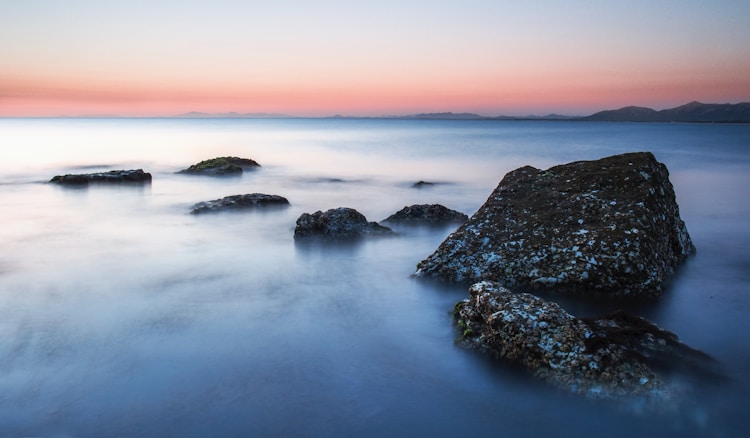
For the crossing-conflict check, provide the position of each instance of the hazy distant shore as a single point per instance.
(694, 112)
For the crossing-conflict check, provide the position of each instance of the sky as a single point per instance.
(368, 58)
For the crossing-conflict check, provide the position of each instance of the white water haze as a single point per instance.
(122, 314)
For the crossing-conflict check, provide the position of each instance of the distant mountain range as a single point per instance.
(693, 112)
(472, 116)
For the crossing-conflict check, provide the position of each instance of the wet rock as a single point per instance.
(112, 176)
(426, 214)
(610, 226)
(618, 357)
(240, 202)
(420, 184)
(338, 223)
(221, 166)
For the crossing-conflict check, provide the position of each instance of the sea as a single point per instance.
(121, 314)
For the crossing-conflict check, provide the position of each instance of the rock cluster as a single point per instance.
(610, 225)
(336, 224)
(612, 357)
(426, 214)
(221, 166)
(240, 202)
(112, 176)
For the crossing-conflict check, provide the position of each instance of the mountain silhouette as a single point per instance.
(693, 112)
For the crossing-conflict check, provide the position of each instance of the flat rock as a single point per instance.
(112, 176)
(618, 357)
(609, 226)
(240, 202)
(426, 214)
(221, 166)
(420, 184)
(338, 223)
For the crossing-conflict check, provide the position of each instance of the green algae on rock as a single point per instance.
(609, 226)
(221, 166)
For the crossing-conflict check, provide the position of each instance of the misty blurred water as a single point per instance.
(122, 314)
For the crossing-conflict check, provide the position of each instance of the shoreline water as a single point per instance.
(122, 312)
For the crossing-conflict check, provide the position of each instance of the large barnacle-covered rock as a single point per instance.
(610, 225)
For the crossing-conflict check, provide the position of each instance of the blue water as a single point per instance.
(121, 314)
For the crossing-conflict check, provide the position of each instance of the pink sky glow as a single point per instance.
(485, 57)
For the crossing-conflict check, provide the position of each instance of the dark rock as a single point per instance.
(420, 184)
(339, 223)
(240, 202)
(426, 214)
(617, 357)
(610, 226)
(221, 166)
(329, 180)
(112, 176)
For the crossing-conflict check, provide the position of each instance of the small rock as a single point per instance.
(338, 223)
(426, 214)
(112, 176)
(420, 184)
(240, 202)
(221, 166)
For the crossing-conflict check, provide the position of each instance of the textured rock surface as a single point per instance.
(610, 225)
(240, 202)
(221, 166)
(112, 176)
(338, 223)
(426, 214)
(613, 357)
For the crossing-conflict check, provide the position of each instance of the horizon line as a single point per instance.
(446, 115)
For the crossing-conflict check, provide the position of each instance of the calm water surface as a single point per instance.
(121, 314)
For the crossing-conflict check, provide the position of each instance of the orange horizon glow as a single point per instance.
(489, 58)
(47, 98)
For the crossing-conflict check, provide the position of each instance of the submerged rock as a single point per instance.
(419, 184)
(221, 166)
(338, 223)
(426, 214)
(618, 357)
(240, 202)
(610, 225)
(112, 176)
